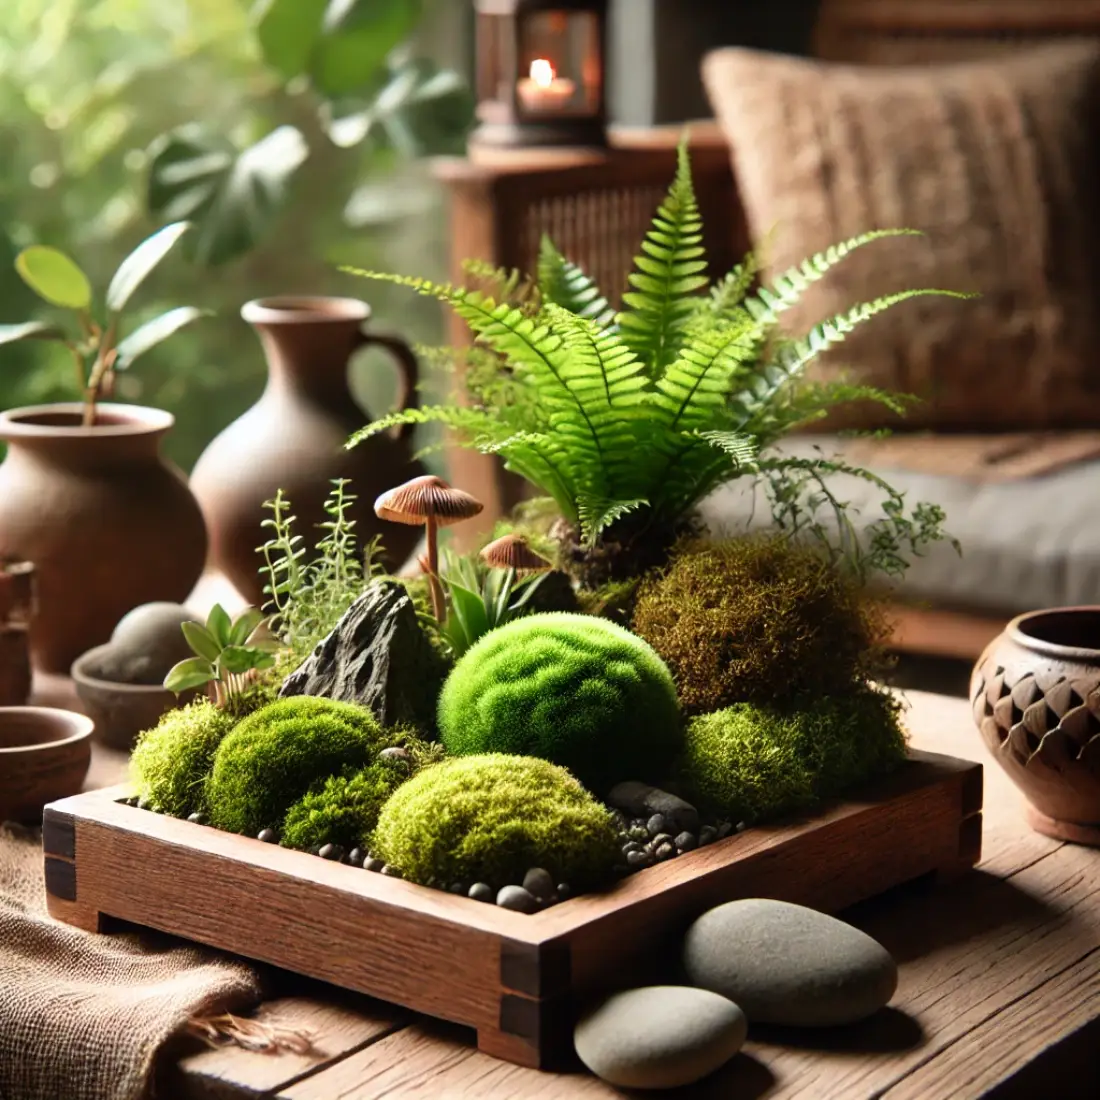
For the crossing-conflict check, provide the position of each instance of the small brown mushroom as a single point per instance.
(430, 501)
(514, 552)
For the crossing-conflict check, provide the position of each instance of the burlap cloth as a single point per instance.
(81, 1016)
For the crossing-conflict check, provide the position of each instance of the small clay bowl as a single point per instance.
(44, 755)
(120, 711)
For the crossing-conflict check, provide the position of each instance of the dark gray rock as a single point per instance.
(660, 1036)
(538, 881)
(687, 842)
(785, 964)
(145, 645)
(373, 863)
(377, 656)
(643, 800)
(482, 891)
(517, 898)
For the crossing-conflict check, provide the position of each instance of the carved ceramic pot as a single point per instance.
(1035, 693)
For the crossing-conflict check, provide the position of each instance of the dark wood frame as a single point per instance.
(515, 978)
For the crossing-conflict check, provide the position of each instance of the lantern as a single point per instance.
(540, 72)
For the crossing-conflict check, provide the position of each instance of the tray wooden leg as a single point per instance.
(59, 846)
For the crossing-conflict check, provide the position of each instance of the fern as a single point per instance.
(666, 274)
(627, 421)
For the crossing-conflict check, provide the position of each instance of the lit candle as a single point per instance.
(544, 90)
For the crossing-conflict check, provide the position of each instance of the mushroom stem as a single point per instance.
(433, 569)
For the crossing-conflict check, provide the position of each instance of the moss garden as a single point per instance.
(601, 686)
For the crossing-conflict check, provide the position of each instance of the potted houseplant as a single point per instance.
(84, 492)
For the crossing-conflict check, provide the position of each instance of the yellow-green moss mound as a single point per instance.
(572, 689)
(491, 818)
(344, 809)
(754, 763)
(170, 762)
(758, 620)
(276, 754)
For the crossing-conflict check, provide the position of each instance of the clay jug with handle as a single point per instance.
(293, 438)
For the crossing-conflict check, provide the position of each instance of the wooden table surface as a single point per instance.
(999, 993)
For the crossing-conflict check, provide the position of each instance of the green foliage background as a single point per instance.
(85, 88)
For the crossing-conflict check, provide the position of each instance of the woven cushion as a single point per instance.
(997, 161)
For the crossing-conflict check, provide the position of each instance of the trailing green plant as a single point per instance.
(97, 350)
(755, 762)
(226, 652)
(628, 420)
(491, 818)
(309, 593)
(574, 689)
(759, 619)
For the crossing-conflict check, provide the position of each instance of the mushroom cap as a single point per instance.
(424, 498)
(514, 552)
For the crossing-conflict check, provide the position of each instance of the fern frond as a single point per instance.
(505, 284)
(740, 447)
(472, 422)
(794, 355)
(667, 272)
(766, 305)
(726, 295)
(595, 516)
(566, 284)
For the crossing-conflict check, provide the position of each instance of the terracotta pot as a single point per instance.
(1036, 698)
(107, 522)
(44, 755)
(293, 437)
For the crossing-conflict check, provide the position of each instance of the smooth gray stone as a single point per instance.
(644, 800)
(539, 882)
(517, 898)
(660, 1036)
(377, 655)
(145, 644)
(786, 964)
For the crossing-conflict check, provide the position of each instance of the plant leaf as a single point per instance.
(29, 330)
(287, 31)
(244, 624)
(189, 674)
(230, 195)
(565, 284)
(239, 658)
(54, 277)
(132, 271)
(469, 609)
(201, 641)
(356, 38)
(153, 332)
(218, 624)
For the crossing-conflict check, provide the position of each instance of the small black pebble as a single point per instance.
(538, 882)
(639, 832)
(563, 891)
(372, 863)
(656, 824)
(638, 859)
(331, 851)
(631, 846)
(482, 891)
(459, 889)
(393, 872)
(687, 842)
(268, 836)
(707, 834)
(661, 838)
(724, 830)
(356, 857)
(740, 827)
(197, 819)
(666, 851)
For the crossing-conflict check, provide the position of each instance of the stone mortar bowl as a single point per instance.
(44, 755)
(120, 711)
(1035, 694)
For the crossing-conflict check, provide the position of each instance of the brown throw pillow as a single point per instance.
(997, 161)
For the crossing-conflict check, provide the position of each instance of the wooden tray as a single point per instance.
(511, 976)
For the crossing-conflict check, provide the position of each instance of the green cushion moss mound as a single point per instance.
(276, 754)
(343, 810)
(573, 689)
(758, 620)
(170, 762)
(754, 763)
(491, 818)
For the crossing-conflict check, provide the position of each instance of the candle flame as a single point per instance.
(542, 72)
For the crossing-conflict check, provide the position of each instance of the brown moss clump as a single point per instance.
(759, 620)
